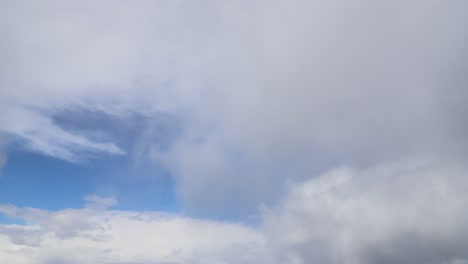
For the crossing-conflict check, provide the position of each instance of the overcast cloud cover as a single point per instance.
(296, 131)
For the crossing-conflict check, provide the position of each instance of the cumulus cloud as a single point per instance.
(263, 93)
(410, 211)
(97, 235)
(405, 212)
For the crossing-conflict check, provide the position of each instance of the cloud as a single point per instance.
(321, 85)
(360, 107)
(73, 62)
(404, 212)
(99, 202)
(97, 235)
(411, 211)
(3, 156)
(37, 132)
(267, 91)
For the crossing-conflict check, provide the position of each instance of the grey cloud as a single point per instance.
(269, 92)
(326, 84)
(34, 130)
(22, 236)
(94, 201)
(126, 129)
(407, 212)
(266, 91)
(129, 56)
(415, 248)
(140, 134)
(4, 139)
(65, 224)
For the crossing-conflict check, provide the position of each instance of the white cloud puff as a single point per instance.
(93, 235)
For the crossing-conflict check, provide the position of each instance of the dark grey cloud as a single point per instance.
(411, 247)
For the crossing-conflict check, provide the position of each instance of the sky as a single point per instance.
(260, 131)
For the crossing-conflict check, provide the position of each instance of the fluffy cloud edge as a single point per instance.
(95, 234)
(410, 211)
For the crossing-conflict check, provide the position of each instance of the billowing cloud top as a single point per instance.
(321, 131)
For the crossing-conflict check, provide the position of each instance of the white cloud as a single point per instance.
(97, 235)
(99, 202)
(410, 211)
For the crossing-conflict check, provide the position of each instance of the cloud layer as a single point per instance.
(94, 234)
(405, 212)
(359, 108)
